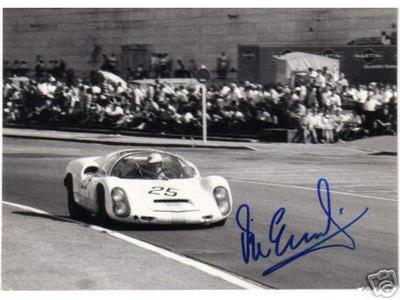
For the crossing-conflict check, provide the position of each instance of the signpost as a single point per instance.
(202, 76)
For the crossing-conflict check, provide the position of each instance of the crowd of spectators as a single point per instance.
(323, 106)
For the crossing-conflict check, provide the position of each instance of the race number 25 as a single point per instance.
(160, 190)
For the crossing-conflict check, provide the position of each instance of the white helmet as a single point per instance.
(154, 158)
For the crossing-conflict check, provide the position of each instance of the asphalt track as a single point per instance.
(274, 176)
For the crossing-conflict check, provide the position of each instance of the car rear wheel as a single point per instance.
(76, 211)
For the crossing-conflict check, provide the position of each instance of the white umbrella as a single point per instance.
(114, 78)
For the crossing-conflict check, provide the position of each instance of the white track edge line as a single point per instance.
(203, 267)
(313, 189)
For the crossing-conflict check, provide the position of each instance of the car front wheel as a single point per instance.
(76, 211)
(220, 223)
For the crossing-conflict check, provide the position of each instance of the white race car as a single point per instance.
(145, 186)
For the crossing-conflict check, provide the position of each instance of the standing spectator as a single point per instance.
(60, 70)
(181, 71)
(165, 65)
(320, 80)
(385, 39)
(141, 72)
(154, 66)
(393, 36)
(311, 98)
(328, 126)
(222, 65)
(6, 69)
(40, 68)
(370, 108)
(109, 63)
(335, 100)
(325, 100)
(24, 69)
(192, 68)
(342, 84)
(298, 113)
(113, 63)
(313, 119)
(312, 74)
(16, 69)
(51, 68)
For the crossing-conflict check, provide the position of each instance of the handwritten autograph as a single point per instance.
(252, 249)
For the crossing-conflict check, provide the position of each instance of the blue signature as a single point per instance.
(253, 249)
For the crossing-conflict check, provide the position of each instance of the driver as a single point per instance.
(155, 162)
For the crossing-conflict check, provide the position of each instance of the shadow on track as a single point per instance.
(112, 225)
(65, 219)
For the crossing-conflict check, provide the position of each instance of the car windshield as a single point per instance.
(152, 165)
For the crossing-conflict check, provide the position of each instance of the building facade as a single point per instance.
(81, 36)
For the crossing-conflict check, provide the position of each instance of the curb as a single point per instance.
(117, 143)
(242, 138)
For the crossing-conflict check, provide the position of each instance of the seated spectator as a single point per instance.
(385, 121)
(232, 108)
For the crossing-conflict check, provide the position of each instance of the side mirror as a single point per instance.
(190, 170)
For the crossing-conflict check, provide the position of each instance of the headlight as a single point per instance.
(221, 196)
(118, 194)
(120, 202)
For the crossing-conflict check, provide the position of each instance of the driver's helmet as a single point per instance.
(155, 158)
(155, 162)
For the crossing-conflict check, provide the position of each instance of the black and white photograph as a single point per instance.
(199, 148)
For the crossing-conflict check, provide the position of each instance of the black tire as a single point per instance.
(101, 205)
(76, 211)
(220, 223)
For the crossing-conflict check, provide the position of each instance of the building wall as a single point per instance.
(71, 34)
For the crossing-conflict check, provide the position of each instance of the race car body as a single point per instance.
(145, 186)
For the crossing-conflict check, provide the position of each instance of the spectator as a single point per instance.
(222, 65)
(320, 80)
(181, 71)
(192, 68)
(24, 69)
(370, 108)
(298, 113)
(385, 121)
(385, 39)
(109, 64)
(311, 100)
(7, 71)
(154, 66)
(393, 36)
(342, 83)
(231, 107)
(165, 64)
(16, 69)
(40, 68)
